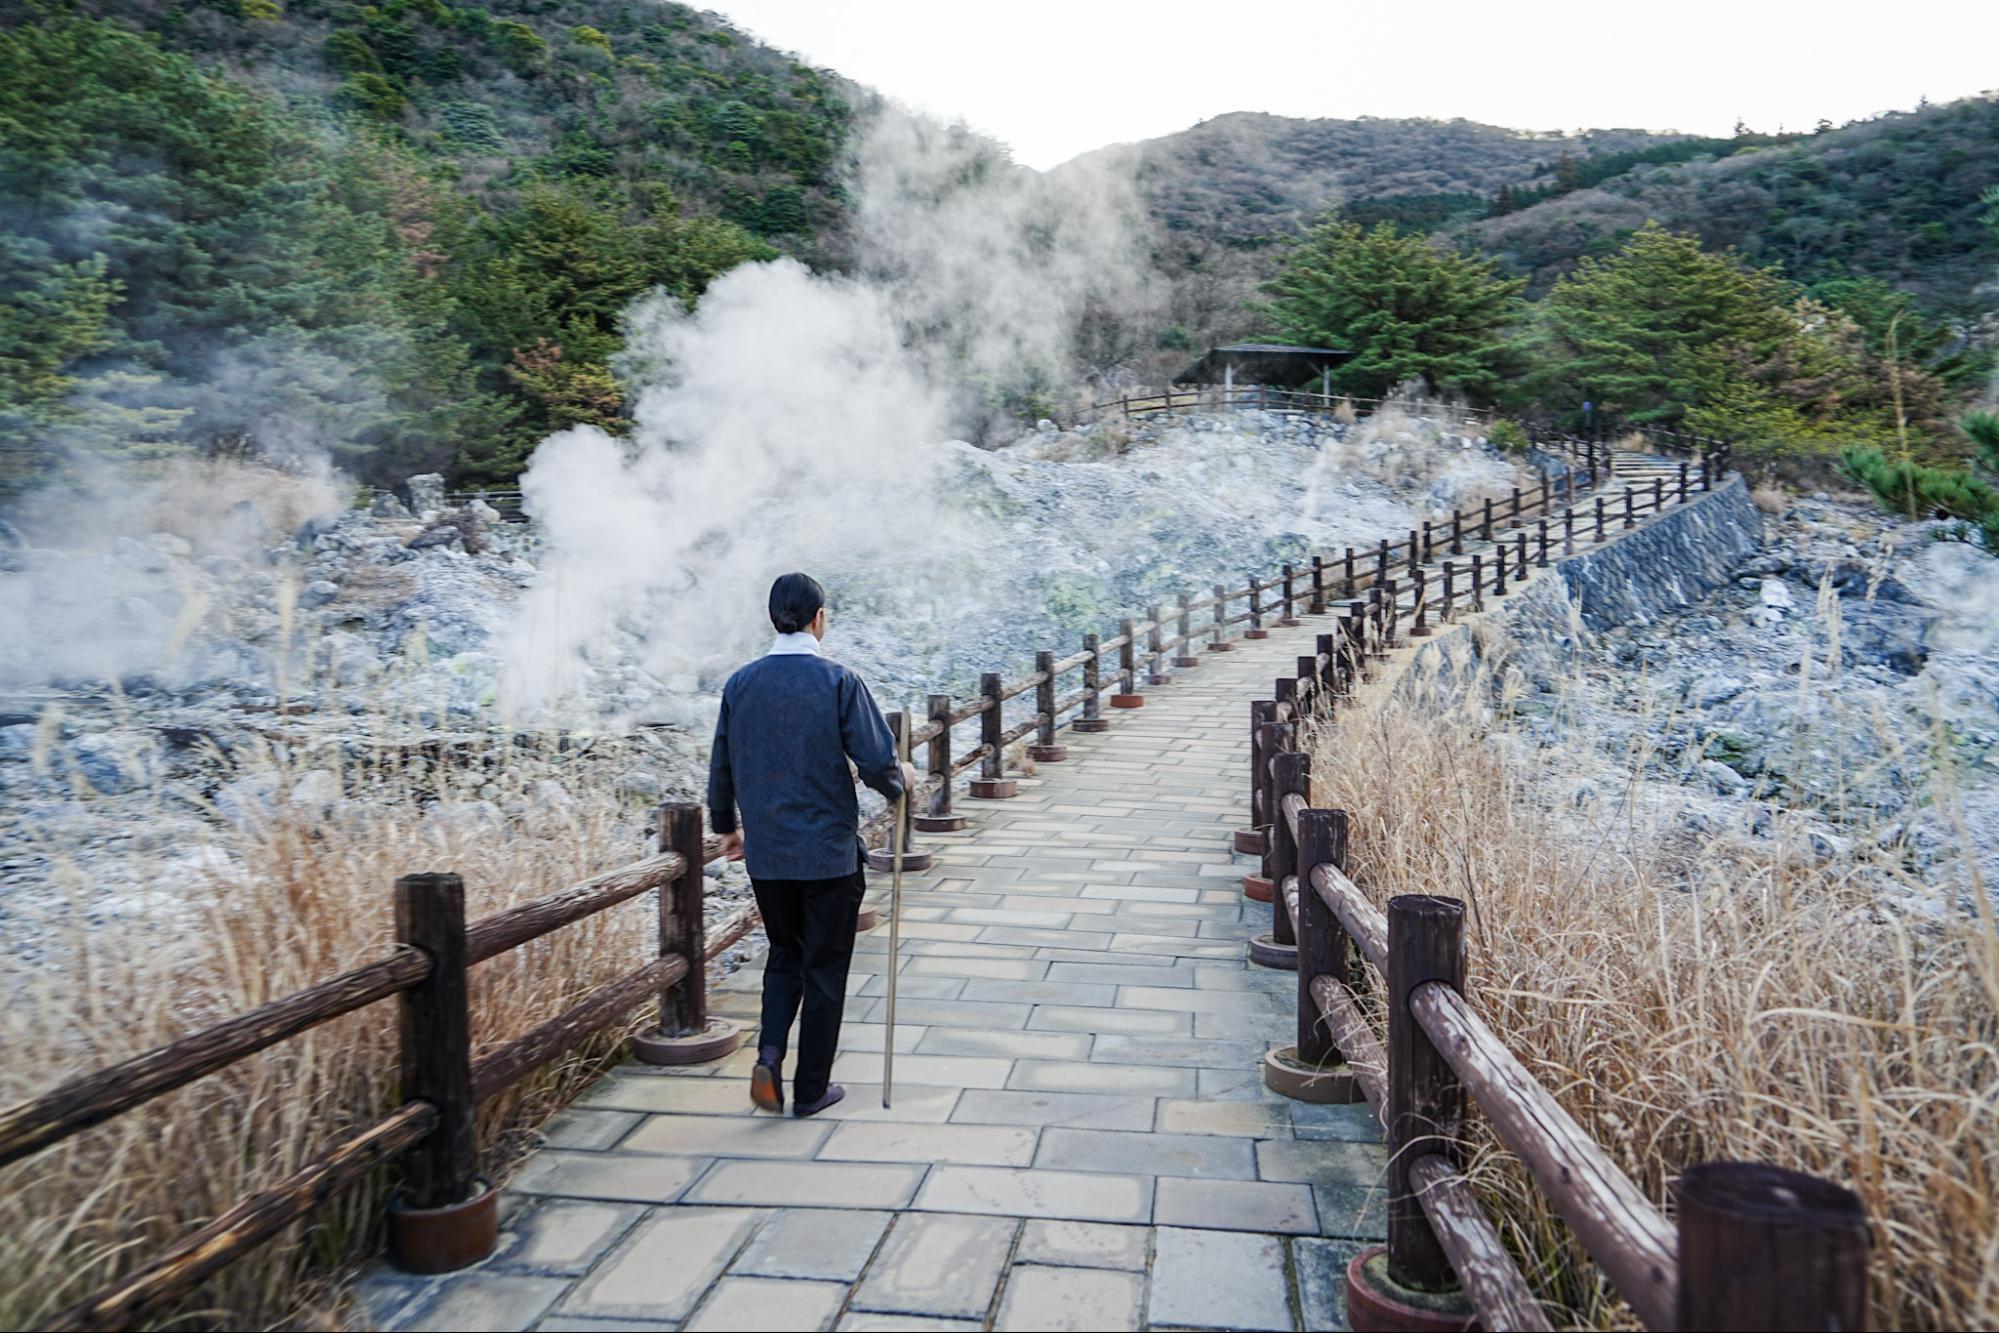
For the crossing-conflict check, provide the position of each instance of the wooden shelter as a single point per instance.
(1277, 364)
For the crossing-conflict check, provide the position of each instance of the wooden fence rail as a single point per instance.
(444, 1215)
(1383, 1017)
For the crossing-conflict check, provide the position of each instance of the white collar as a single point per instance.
(788, 644)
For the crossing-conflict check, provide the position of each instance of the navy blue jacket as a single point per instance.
(789, 723)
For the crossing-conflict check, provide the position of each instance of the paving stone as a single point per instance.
(386, 1296)
(1218, 1279)
(1206, 1156)
(951, 1013)
(476, 1302)
(727, 1136)
(1031, 937)
(831, 1244)
(1353, 1121)
(1003, 969)
(1204, 1002)
(1040, 1299)
(633, 1177)
(1322, 1279)
(946, 1265)
(1074, 1110)
(1085, 1196)
(1095, 958)
(914, 1103)
(1084, 1244)
(1322, 1162)
(921, 988)
(1353, 1211)
(664, 1266)
(563, 1236)
(588, 1129)
(690, 1096)
(1257, 1120)
(1040, 992)
(860, 1321)
(1009, 1045)
(1147, 1022)
(984, 916)
(1074, 1076)
(1122, 974)
(1236, 1205)
(970, 1145)
(808, 1184)
(757, 1304)
(870, 1036)
(569, 1323)
(950, 1071)
(1139, 893)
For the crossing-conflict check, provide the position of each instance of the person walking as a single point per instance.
(789, 723)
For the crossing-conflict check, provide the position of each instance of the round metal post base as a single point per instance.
(995, 789)
(1090, 726)
(1047, 754)
(869, 918)
(938, 823)
(719, 1038)
(1290, 622)
(1323, 1085)
(444, 1240)
(1256, 634)
(1265, 951)
(1221, 647)
(1256, 888)
(1249, 841)
(1186, 663)
(1422, 633)
(1127, 701)
(881, 861)
(1158, 678)
(1377, 1303)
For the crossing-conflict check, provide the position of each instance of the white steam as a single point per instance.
(793, 420)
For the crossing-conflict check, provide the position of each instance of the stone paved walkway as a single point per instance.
(1080, 1138)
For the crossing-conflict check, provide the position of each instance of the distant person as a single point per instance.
(789, 723)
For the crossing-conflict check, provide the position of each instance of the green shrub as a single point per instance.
(1910, 488)
(1507, 434)
(1983, 428)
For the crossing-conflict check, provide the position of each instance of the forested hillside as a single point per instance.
(401, 234)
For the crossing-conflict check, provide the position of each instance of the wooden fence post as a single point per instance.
(1218, 640)
(1426, 541)
(1520, 547)
(1256, 629)
(1766, 1248)
(686, 1034)
(1477, 583)
(1421, 629)
(1329, 669)
(992, 784)
(1457, 532)
(1186, 661)
(1045, 750)
(1349, 592)
(1290, 616)
(1544, 544)
(1381, 562)
(1599, 518)
(1318, 602)
(1683, 482)
(1290, 775)
(1155, 645)
(1270, 741)
(1426, 1102)
(1252, 840)
(940, 818)
(1353, 646)
(1322, 944)
(1092, 720)
(1485, 531)
(1499, 569)
(1569, 530)
(441, 1219)
(1658, 494)
(1127, 694)
(1449, 609)
(1630, 514)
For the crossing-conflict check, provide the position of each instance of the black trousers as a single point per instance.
(810, 923)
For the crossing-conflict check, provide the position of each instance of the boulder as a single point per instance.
(426, 494)
(116, 762)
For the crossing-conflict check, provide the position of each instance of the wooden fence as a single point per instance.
(444, 1217)
(1753, 1247)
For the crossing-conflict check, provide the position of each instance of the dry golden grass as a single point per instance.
(1724, 1002)
(313, 897)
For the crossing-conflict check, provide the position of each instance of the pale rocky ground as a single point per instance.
(142, 668)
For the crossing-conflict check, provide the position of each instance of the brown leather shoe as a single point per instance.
(767, 1088)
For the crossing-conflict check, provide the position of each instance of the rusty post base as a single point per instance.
(1422, 632)
(881, 861)
(1249, 841)
(1127, 701)
(444, 1240)
(1090, 726)
(1256, 634)
(938, 823)
(1377, 1303)
(995, 789)
(1186, 663)
(1290, 622)
(1221, 647)
(1265, 951)
(869, 918)
(1256, 888)
(1047, 754)
(1323, 1085)
(719, 1038)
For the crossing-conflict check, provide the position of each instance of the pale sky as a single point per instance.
(1053, 78)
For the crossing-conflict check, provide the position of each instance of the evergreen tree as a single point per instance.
(1409, 309)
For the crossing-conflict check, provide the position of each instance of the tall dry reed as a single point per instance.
(1688, 1001)
(294, 891)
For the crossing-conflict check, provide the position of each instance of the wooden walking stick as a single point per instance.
(895, 841)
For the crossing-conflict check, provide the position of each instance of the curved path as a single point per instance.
(1080, 1138)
